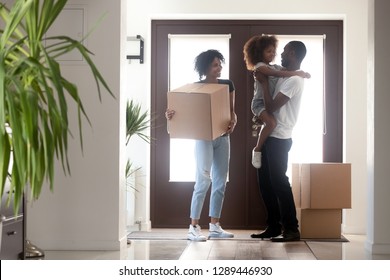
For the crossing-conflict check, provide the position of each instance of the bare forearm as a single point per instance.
(233, 115)
(282, 73)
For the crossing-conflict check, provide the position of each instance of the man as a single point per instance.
(274, 184)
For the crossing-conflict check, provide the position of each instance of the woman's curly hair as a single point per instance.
(254, 47)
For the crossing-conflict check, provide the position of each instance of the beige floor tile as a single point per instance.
(242, 247)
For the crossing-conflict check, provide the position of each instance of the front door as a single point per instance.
(243, 207)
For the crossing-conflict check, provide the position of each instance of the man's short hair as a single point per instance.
(299, 49)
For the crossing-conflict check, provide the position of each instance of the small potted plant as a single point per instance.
(136, 123)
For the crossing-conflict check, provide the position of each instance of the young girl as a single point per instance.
(259, 52)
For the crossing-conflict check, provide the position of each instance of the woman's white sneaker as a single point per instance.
(216, 231)
(195, 233)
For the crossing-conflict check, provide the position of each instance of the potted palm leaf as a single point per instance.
(34, 96)
(136, 123)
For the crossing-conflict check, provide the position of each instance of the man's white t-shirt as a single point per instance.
(287, 116)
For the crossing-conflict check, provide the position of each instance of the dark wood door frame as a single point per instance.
(243, 207)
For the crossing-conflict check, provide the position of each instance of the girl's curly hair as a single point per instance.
(205, 59)
(254, 47)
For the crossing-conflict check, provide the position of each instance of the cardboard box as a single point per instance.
(202, 111)
(320, 223)
(321, 185)
(296, 184)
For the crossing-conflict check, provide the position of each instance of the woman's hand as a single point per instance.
(169, 113)
(232, 124)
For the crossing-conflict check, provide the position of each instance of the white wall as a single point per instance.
(87, 209)
(355, 16)
(378, 193)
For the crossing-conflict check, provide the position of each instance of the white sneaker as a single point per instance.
(256, 159)
(195, 234)
(217, 232)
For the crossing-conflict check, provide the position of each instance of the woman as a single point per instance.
(212, 157)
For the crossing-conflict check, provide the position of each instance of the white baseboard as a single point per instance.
(82, 245)
(377, 248)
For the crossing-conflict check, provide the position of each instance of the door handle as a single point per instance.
(13, 232)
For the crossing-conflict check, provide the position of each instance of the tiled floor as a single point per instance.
(239, 248)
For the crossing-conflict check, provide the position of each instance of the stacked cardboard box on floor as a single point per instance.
(321, 191)
(202, 111)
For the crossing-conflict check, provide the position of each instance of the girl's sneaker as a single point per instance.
(256, 159)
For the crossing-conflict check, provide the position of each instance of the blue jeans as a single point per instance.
(274, 184)
(212, 165)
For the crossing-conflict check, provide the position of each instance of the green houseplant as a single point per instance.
(34, 96)
(136, 123)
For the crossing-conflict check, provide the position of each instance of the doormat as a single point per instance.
(181, 234)
(341, 239)
(158, 235)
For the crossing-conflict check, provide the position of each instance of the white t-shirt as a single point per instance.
(287, 115)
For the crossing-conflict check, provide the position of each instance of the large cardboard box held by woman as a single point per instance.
(202, 111)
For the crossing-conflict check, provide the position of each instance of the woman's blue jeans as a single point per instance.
(212, 167)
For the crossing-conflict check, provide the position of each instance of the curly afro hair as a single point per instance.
(254, 47)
